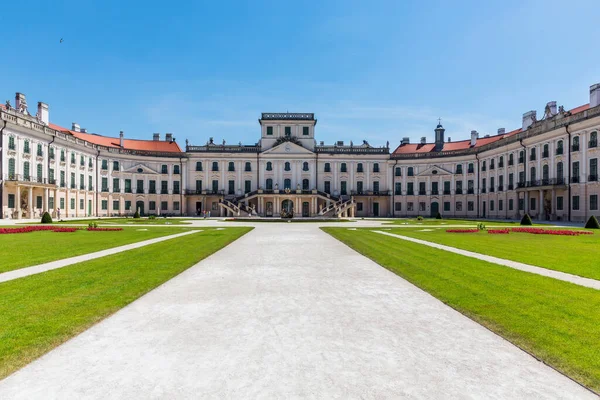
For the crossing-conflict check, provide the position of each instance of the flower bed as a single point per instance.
(64, 229)
(93, 229)
(27, 229)
(498, 231)
(558, 232)
(462, 230)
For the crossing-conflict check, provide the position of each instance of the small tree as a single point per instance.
(438, 216)
(47, 219)
(526, 220)
(136, 215)
(592, 223)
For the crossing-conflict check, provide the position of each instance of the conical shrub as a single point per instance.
(592, 223)
(526, 220)
(47, 219)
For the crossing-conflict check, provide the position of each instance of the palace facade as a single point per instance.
(548, 168)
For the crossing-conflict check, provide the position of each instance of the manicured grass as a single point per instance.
(133, 221)
(280, 220)
(39, 312)
(578, 255)
(27, 249)
(556, 321)
(466, 222)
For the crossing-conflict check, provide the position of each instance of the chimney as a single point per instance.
(169, 137)
(423, 140)
(449, 139)
(83, 130)
(121, 139)
(20, 102)
(43, 113)
(528, 119)
(474, 136)
(595, 95)
(550, 110)
(75, 127)
(405, 140)
(156, 137)
(501, 131)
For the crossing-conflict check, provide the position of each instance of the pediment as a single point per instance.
(288, 148)
(140, 169)
(435, 170)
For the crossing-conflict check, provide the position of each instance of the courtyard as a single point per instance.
(211, 308)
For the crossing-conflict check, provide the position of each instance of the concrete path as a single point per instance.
(288, 312)
(563, 276)
(36, 269)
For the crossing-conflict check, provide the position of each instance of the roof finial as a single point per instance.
(439, 121)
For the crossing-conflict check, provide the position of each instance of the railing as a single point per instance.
(104, 189)
(410, 192)
(458, 172)
(511, 186)
(81, 187)
(545, 154)
(471, 171)
(164, 192)
(593, 178)
(458, 191)
(152, 191)
(492, 166)
(483, 169)
(90, 188)
(139, 191)
(559, 151)
(352, 150)
(116, 190)
(543, 182)
(510, 163)
(435, 192)
(575, 179)
(521, 160)
(500, 188)
(446, 192)
(28, 178)
(593, 143)
(128, 190)
(575, 147)
(422, 193)
(218, 148)
(470, 191)
(191, 192)
(492, 189)
(500, 165)
(11, 147)
(482, 190)
(520, 184)
(532, 157)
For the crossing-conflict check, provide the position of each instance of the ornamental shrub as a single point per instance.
(526, 220)
(592, 223)
(438, 216)
(136, 215)
(419, 218)
(152, 216)
(47, 219)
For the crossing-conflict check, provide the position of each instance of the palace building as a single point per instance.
(548, 167)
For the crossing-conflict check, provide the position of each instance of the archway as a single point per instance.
(287, 208)
(139, 205)
(435, 208)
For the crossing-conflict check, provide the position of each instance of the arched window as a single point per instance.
(231, 166)
(559, 147)
(343, 167)
(287, 183)
(492, 166)
(11, 168)
(483, 166)
(532, 174)
(269, 184)
(501, 162)
(287, 166)
(576, 143)
(215, 166)
(376, 167)
(269, 166)
(545, 151)
(532, 154)
(327, 167)
(26, 146)
(511, 159)
(305, 184)
(359, 167)
(39, 172)
(26, 170)
(305, 166)
(398, 171)
(593, 139)
(545, 174)
(521, 157)
(411, 171)
(559, 173)
(198, 165)
(247, 167)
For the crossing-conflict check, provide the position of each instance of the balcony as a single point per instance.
(410, 192)
(593, 178)
(40, 154)
(325, 170)
(532, 157)
(521, 184)
(459, 191)
(28, 178)
(12, 146)
(446, 191)
(164, 191)
(104, 189)
(139, 191)
(422, 193)
(521, 160)
(470, 171)
(458, 172)
(511, 163)
(511, 186)
(128, 190)
(116, 190)
(500, 165)
(559, 151)
(434, 192)
(545, 154)
(483, 169)
(51, 156)
(492, 167)
(575, 147)
(575, 179)
(483, 190)
(492, 189)
(470, 191)
(500, 188)
(81, 187)
(152, 191)
(593, 143)
(90, 188)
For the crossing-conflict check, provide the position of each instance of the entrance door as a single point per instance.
(269, 209)
(139, 205)
(287, 208)
(484, 209)
(305, 209)
(376, 209)
(199, 208)
(435, 208)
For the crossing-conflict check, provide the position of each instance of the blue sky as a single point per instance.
(377, 70)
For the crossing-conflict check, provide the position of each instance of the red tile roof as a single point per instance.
(580, 109)
(128, 144)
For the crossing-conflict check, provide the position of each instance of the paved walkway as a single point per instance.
(563, 276)
(287, 312)
(36, 269)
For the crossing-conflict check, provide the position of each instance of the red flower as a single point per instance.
(462, 230)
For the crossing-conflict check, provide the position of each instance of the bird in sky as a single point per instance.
(61, 40)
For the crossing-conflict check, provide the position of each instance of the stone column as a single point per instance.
(46, 200)
(30, 202)
(18, 201)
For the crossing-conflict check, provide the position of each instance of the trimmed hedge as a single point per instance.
(526, 220)
(592, 223)
(136, 215)
(47, 219)
(438, 216)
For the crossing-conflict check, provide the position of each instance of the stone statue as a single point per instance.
(7, 104)
(561, 109)
(211, 141)
(223, 142)
(387, 144)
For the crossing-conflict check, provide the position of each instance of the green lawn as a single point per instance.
(578, 255)
(133, 221)
(557, 321)
(27, 249)
(39, 312)
(466, 222)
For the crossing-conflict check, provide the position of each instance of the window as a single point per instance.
(559, 147)
(593, 169)
(532, 174)
(11, 145)
(422, 206)
(269, 166)
(215, 186)
(545, 174)
(446, 206)
(104, 204)
(492, 166)
(305, 131)
(521, 204)
(483, 185)
(343, 167)
(231, 187)
(410, 171)
(343, 190)
(532, 204)
(26, 147)
(410, 189)
(164, 169)
(359, 167)
(328, 187)
(176, 189)
(470, 206)
(248, 167)
(62, 203)
(491, 205)
(11, 168)
(116, 188)
(305, 166)
(127, 185)
(434, 188)
(459, 169)
(72, 180)
(139, 186)
(247, 186)
(115, 165)
(511, 159)
(38, 202)
(470, 168)
(40, 153)
(483, 168)
(164, 206)
(104, 163)
(575, 146)
(532, 154)
(287, 183)
(593, 139)
(593, 202)
(398, 171)
(62, 179)
(458, 206)
(376, 167)
(459, 187)
(51, 153)
(559, 203)
(575, 177)
(115, 205)
(175, 206)
(522, 178)
(545, 151)
(287, 166)
(176, 169)
(11, 200)
(62, 156)
(409, 206)
(397, 206)
(269, 184)
(288, 131)
(90, 185)
(359, 187)
(90, 162)
(198, 165)
(164, 187)
(510, 204)
(501, 162)
(327, 167)
(73, 158)
(376, 186)
(39, 172)
(215, 166)
(559, 173)
(359, 206)
(152, 187)
(231, 166)
(446, 187)
(398, 188)
(26, 170)
(305, 184)
(269, 130)
(104, 183)
(151, 206)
